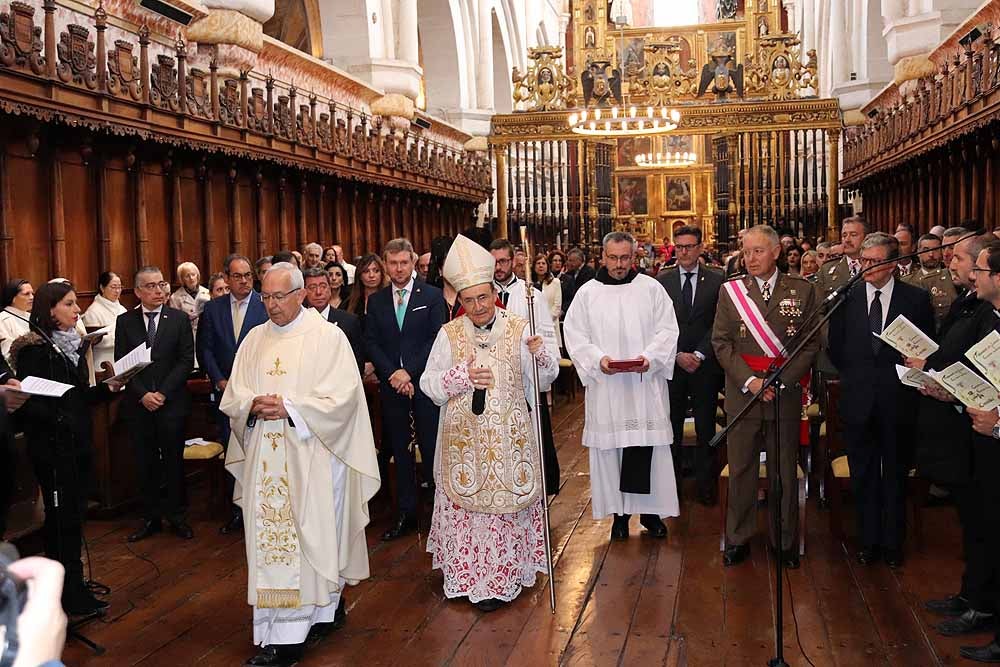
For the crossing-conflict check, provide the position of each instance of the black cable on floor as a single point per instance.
(795, 620)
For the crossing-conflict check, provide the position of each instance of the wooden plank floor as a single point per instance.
(640, 602)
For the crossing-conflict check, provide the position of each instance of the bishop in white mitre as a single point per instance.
(303, 456)
(621, 333)
(487, 532)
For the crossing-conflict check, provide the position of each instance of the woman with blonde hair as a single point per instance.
(191, 296)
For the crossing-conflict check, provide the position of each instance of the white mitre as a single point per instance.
(468, 264)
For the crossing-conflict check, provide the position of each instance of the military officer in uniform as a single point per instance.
(933, 277)
(835, 274)
(757, 316)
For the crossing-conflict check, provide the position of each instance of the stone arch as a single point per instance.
(446, 57)
(502, 65)
(297, 23)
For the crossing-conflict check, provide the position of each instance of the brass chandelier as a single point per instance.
(624, 122)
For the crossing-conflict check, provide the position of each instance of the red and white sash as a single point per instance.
(754, 319)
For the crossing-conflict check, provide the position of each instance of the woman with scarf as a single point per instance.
(59, 431)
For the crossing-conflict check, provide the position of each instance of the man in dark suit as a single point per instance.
(985, 463)
(156, 403)
(697, 379)
(318, 295)
(576, 274)
(875, 407)
(224, 323)
(402, 321)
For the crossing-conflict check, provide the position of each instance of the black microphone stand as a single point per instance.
(773, 381)
(72, 627)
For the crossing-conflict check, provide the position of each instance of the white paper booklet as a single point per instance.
(968, 387)
(128, 366)
(904, 336)
(985, 355)
(37, 386)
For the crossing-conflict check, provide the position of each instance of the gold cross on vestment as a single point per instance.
(277, 370)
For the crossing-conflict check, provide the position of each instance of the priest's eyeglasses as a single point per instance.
(277, 296)
(469, 302)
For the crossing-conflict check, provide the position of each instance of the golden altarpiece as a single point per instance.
(753, 142)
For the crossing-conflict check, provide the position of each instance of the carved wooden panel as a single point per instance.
(125, 76)
(229, 103)
(199, 101)
(303, 125)
(163, 84)
(77, 63)
(323, 134)
(257, 111)
(21, 39)
(283, 117)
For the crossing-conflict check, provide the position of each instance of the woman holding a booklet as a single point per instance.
(57, 424)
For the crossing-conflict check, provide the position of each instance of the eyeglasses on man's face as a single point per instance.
(149, 287)
(277, 296)
(242, 276)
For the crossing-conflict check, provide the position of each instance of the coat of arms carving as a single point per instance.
(124, 70)
(229, 103)
(283, 117)
(323, 132)
(163, 84)
(303, 125)
(257, 111)
(198, 99)
(21, 39)
(77, 63)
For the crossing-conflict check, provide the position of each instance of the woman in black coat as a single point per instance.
(59, 431)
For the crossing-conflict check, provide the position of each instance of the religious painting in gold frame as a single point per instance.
(679, 194)
(633, 196)
(629, 148)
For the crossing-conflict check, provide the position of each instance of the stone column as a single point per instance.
(407, 32)
(388, 33)
(484, 65)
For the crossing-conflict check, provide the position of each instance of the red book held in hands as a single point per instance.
(626, 364)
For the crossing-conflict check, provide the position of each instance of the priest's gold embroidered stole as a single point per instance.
(489, 463)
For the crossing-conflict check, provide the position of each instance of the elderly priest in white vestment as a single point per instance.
(487, 530)
(621, 333)
(304, 460)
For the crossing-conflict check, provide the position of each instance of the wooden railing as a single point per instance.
(180, 97)
(960, 97)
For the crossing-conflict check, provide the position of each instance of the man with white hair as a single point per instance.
(624, 356)
(304, 460)
(312, 255)
(758, 314)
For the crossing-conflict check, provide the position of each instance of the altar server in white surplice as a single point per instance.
(624, 316)
(487, 530)
(304, 460)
